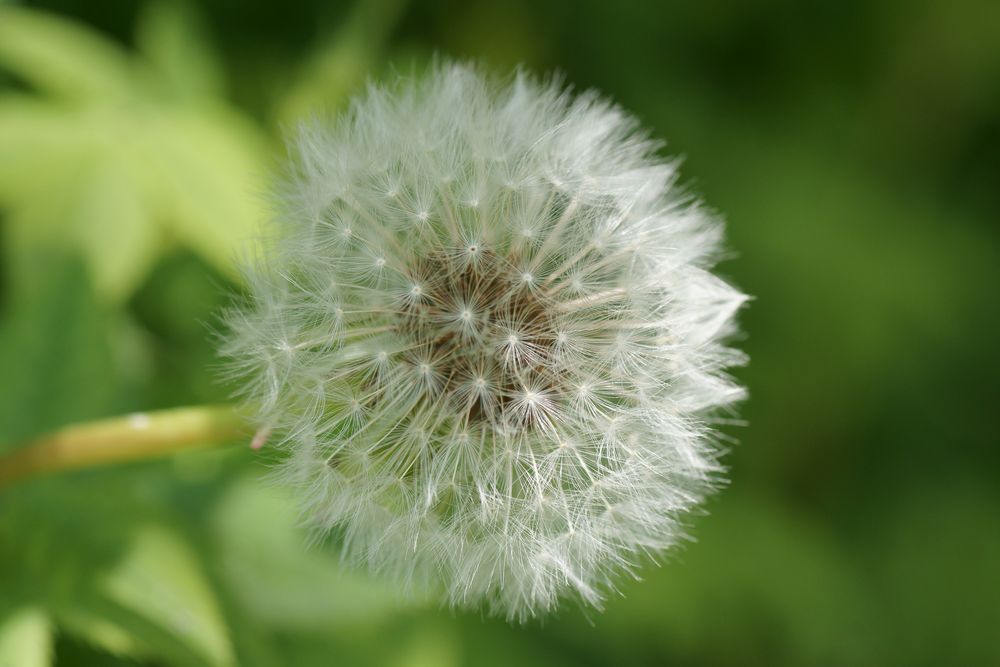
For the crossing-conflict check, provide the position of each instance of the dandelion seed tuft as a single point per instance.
(488, 337)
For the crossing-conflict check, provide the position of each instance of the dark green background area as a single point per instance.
(853, 148)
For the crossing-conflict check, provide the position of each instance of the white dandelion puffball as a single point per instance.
(486, 334)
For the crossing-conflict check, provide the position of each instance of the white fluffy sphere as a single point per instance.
(486, 333)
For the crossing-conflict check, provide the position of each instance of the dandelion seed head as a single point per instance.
(488, 337)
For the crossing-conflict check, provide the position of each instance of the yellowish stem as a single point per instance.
(140, 435)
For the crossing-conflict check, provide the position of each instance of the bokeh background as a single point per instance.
(852, 145)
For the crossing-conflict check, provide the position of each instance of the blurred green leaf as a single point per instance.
(279, 579)
(161, 580)
(55, 354)
(60, 57)
(173, 38)
(98, 550)
(41, 146)
(109, 210)
(25, 639)
(97, 631)
(208, 162)
(117, 178)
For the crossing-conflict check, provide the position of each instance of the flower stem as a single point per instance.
(140, 435)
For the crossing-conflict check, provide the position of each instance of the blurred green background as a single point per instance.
(854, 148)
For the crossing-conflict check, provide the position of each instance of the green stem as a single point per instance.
(137, 436)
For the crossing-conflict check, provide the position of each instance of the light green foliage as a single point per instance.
(62, 58)
(117, 156)
(160, 579)
(279, 580)
(55, 353)
(25, 639)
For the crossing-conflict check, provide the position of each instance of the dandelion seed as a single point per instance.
(494, 360)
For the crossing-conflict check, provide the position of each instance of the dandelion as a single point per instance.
(487, 336)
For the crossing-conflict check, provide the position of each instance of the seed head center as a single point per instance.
(496, 346)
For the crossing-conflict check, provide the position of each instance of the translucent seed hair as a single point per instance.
(485, 334)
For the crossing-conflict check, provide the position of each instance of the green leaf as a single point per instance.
(39, 144)
(55, 354)
(172, 37)
(113, 180)
(161, 581)
(84, 623)
(61, 57)
(95, 550)
(25, 639)
(103, 215)
(208, 162)
(280, 580)
(119, 240)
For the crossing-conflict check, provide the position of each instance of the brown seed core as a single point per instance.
(474, 317)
